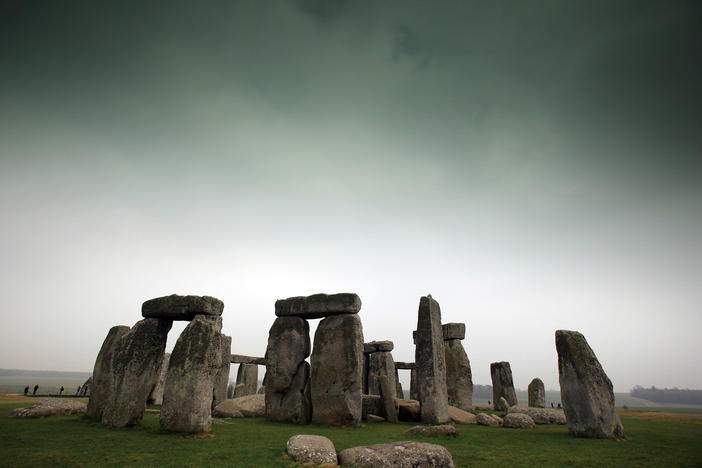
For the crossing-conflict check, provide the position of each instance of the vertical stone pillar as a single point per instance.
(135, 367)
(431, 363)
(537, 393)
(586, 391)
(380, 363)
(222, 377)
(247, 375)
(337, 371)
(192, 373)
(398, 386)
(102, 372)
(414, 391)
(502, 385)
(459, 379)
(287, 373)
(156, 396)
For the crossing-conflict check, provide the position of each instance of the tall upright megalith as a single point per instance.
(195, 363)
(430, 361)
(502, 384)
(459, 378)
(337, 371)
(536, 393)
(222, 377)
(380, 363)
(102, 372)
(135, 368)
(156, 395)
(287, 372)
(247, 376)
(586, 391)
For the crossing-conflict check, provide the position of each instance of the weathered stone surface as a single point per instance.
(405, 454)
(387, 398)
(371, 404)
(460, 416)
(192, 373)
(222, 377)
(261, 390)
(586, 391)
(497, 418)
(459, 378)
(249, 406)
(399, 392)
(433, 431)
(483, 407)
(409, 410)
(156, 396)
(502, 385)
(454, 331)
(536, 393)
(501, 404)
(414, 390)
(485, 420)
(380, 364)
(87, 386)
(540, 415)
(49, 407)
(311, 449)
(243, 359)
(337, 371)
(287, 373)
(318, 305)
(135, 369)
(518, 421)
(431, 363)
(404, 365)
(247, 375)
(102, 372)
(372, 418)
(239, 391)
(377, 346)
(175, 307)
(230, 391)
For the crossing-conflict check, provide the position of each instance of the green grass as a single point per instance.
(656, 439)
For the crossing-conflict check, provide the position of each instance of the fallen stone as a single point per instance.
(536, 393)
(311, 449)
(318, 305)
(502, 404)
(502, 385)
(433, 431)
(485, 419)
(337, 371)
(250, 406)
(460, 416)
(135, 369)
(431, 363)
(586, 391)
(483, 407)
(195, 363)
(175, 307)
(287, 373)
(459, 379)
(540, 415)
(50, 407)
(102, 372)
(454, 331)
(518, 421)
(156, 396)
(497, 418)
(377, 346)
(373, 418)
(405, 454)
(408, 410)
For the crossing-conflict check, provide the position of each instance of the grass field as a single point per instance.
(656, 439)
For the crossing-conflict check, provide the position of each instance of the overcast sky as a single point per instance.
(533, 165)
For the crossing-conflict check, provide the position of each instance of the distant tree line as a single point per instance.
(482, 391)
(668, 395)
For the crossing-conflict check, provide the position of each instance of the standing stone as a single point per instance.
(387, 398)
(337, 371)
(222, 377)
(431, 363)
(459, 379)
(156, 396)
(536, 394)
(502, 385)
(586, 391)
(195, 362)
(287, 373)
(102, 372)
(414, 391)
(135, 369)
(380, 364)
(398, 385)
(247, 375)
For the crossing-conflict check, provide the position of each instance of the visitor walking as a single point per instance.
(61, 391)
(36, 387)
(26, 390)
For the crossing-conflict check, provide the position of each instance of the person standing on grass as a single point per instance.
(26, 390)
(36, 387)
(78, 391)
(61, 391)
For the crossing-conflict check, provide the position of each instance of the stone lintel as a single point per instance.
(318, 305)
(377, 346)
(404, 365)
(176, 307)
(242, 359)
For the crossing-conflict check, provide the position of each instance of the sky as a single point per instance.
(533, 165)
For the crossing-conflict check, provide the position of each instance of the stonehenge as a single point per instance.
(102, 372)
(502, 385)
(536, 394)
(378, 362)
(430, 363)
(586, 391)
(459, 380)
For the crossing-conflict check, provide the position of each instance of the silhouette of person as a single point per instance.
(61, 391)
(559, 406)
(78, 393)
(36, 387)
(26, 390)
(551, 404)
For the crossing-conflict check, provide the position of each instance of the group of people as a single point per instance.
(36, 387)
